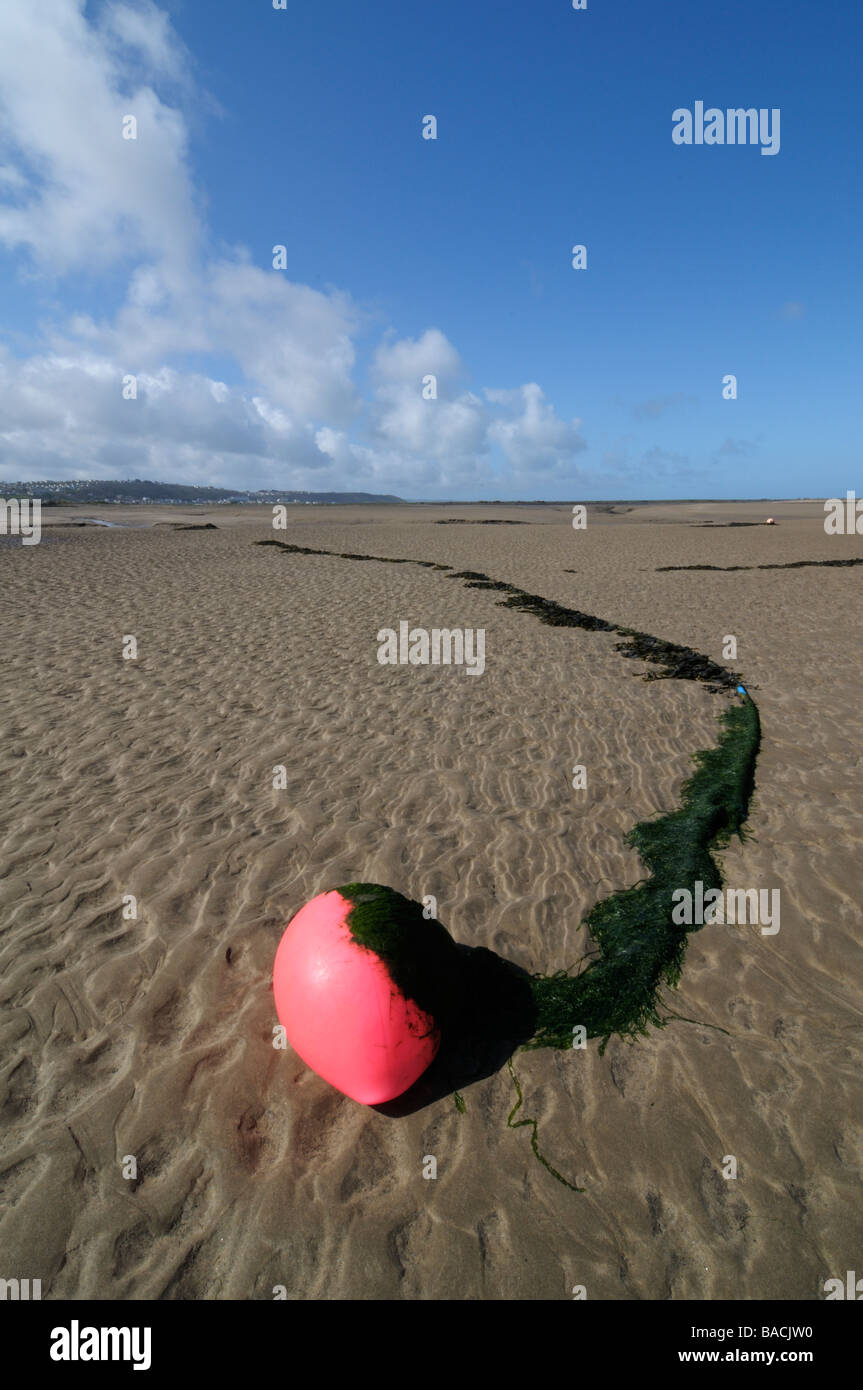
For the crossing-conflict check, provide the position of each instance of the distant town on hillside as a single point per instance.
(75, 491)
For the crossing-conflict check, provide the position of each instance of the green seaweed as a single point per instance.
(675, 662)
(420, 955)
(641, 948)
(351, 555)
(534, 1138)
(791, 565)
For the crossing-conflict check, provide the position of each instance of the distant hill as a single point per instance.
(64, 493)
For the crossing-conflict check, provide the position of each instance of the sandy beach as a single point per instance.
(138, 1038)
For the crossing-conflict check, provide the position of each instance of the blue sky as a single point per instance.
(452, 257)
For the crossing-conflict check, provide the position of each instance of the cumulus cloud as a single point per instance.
(71, 414)
(146, 32)
(77, 197)
(451, 425)
(533, 438)
(406, 361)
(85, 197)
(293, 340)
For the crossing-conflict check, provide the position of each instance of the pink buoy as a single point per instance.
(341, 1010)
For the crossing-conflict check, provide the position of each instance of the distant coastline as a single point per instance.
(145, 492)
(138, 491)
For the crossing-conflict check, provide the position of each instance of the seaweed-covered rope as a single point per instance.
(640, 947)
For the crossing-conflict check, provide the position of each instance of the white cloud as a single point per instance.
(450, 427)
(438, 429)
(73, 414)
(290, 342)
(533, 438)
(85, 197)
(293, 340)
(148, 32)
(76, 197)
(406, 361)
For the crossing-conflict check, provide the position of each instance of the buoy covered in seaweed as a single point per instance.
(361, 981)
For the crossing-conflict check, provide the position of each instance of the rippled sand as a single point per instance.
(153, 778)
